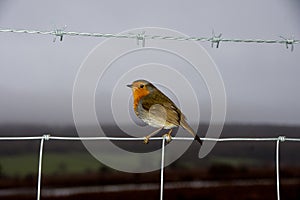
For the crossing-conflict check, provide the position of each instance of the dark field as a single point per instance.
(219, 182)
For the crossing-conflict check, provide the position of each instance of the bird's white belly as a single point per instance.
(156, 116)
(157, 121)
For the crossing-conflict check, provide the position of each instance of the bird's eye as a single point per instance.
(141, 86)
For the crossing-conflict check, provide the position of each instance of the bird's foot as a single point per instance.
(167, 137)
(146, 140)
(198, 139)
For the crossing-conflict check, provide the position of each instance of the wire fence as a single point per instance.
(44, 138)
(214, 39)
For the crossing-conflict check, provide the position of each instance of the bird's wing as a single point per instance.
(172, 113)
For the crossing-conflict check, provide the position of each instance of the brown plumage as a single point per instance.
(156, 109)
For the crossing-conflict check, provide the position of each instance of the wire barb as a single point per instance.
(141, 37)
(59, 33)
(289, 42)
(215, 39)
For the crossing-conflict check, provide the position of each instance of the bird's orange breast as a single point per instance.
(137, 95)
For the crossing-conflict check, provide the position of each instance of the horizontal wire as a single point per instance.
(49, 137)
(143, 36)
(22, 138)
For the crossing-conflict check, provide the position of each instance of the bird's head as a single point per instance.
(141, 88)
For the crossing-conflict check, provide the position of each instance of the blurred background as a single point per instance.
(261, 82)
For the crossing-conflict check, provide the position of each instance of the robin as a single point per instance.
(157, 110)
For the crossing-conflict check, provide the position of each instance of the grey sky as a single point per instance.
(37, 75)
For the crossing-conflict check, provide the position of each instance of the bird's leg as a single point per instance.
(168, 136)
(146, 140)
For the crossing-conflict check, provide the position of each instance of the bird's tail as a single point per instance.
(187, 127)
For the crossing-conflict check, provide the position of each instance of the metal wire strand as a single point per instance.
(280, 139)
(38, 195)
(214, 39)
(162, 167)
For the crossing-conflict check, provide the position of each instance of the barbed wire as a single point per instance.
(214, 39)
(47, 137)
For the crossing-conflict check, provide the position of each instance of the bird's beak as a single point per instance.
(130, 85)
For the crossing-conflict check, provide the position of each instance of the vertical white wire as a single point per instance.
(40, 169)
(277, 168)
(162, 168)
